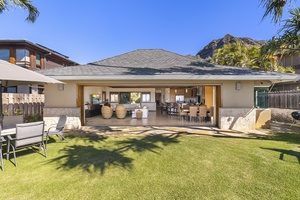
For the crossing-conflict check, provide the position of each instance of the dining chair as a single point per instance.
(180, 113)
(193, 112)
(202, 112)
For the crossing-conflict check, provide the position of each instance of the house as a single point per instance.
(31, 56)
(160, 75)
(292, 60)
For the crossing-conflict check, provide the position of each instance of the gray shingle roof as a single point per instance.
(153, 62)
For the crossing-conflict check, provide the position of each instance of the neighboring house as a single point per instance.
(31, 56)
(161, 76)
(292, 60)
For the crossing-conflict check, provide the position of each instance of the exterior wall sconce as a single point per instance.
(175, 90)
(186, 90)
(238, 86)
(60, 87)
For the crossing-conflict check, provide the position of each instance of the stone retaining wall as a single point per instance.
(282, 115)
(51, 116)
(237, 118)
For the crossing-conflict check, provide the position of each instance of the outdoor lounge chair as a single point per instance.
(27, 134)
(57, 129)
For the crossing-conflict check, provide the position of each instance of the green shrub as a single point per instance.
(33, 118)
(19, 112)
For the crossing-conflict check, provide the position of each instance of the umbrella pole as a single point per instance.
(1, 114)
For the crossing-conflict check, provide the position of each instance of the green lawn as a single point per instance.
(157, 167)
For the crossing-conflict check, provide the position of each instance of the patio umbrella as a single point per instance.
(13, 75)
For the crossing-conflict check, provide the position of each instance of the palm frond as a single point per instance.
(274, 8)
(33, 13)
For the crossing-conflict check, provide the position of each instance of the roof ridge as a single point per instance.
(111, 57)
(136, 50)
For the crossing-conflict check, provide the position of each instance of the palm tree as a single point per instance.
(274, 8)
(292, 25)
(24, 4)
(288, 41)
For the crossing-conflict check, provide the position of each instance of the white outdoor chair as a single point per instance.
(27, 134)
(1, 155)
(57, 129)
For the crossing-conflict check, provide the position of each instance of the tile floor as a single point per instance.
(154, 119)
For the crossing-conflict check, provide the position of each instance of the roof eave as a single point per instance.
(274, 79)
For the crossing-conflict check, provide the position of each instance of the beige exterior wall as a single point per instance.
(263, 118)
(61, 99)
(233, 98)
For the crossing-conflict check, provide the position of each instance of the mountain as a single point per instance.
(209, 49)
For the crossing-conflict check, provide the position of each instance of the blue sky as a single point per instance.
(99, 29)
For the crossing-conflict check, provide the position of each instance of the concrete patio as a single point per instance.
(169, 130)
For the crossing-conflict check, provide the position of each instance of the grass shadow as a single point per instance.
(24, 151)
(285, 152)
(91, 159)
(147, 143)
(292, 138)
(90, 136)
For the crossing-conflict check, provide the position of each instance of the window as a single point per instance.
(135, 97)
(4, 54)
(125, 98)
(114, 97)
(22, 57)
(146, 97)
(38, 60)
(12, 89)
(40, 89)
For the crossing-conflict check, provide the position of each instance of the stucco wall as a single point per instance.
(65, 98)
(237, 112)
(230, 96)
(263, 119)
(233, 98)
